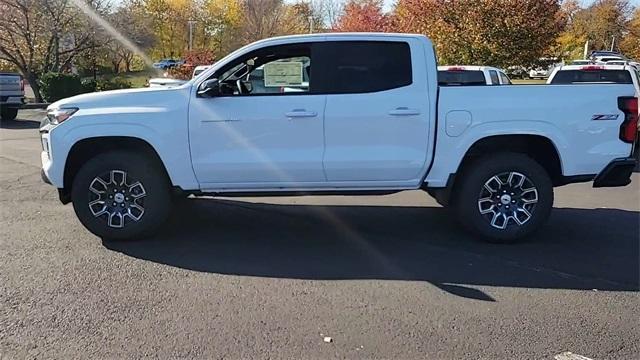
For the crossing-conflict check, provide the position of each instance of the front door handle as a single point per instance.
(300, 113)
(404, 111)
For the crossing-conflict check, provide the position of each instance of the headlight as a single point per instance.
(56, 116)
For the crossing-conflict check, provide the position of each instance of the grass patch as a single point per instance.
(528, 81)
(137, 79)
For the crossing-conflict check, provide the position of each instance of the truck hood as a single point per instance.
(126, 98)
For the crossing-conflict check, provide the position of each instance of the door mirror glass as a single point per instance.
(209, 88)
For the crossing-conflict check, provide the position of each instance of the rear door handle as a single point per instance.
(300, 113)
(404, 111)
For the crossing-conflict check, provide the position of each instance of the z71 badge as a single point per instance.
(605, 117)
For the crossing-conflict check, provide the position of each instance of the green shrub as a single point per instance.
(112, 84)
(56, 86)
(89, 85)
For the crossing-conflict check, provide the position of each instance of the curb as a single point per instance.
(28, 106)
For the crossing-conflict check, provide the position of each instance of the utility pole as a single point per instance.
(310, 18)
(586, 50)
(613, 42)
(191, 23)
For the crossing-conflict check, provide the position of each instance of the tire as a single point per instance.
(131, 183)
(487, 191)
(8, 113)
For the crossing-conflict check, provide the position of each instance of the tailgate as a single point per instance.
(10, 84)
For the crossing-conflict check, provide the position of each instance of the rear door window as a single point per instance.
(494, 77)
(461, 78)
(349, 67)
(592, 76)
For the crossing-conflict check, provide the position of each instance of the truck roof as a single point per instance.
(594, 67)
(342, 36)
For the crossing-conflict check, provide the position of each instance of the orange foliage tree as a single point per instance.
(362, 16)
(484, 32)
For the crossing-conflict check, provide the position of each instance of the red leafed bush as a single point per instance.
(192, 59)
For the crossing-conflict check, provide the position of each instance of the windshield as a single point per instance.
(460, 78)
(597, 76)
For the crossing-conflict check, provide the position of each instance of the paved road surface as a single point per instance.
(384, 277)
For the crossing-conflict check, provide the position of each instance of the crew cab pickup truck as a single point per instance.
(11, 95)
(368, 118)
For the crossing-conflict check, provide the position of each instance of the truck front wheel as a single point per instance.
(8, 113)
(121, 195)
(503, 197)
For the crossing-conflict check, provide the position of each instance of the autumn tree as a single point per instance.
(570, 44)
(132, 22)
(484, 32)
(169, 20)
(267, 18)
(630, 44)
(362, 16)
(602, 22)
(219, 26)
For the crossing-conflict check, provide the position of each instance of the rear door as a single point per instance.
(377, 110)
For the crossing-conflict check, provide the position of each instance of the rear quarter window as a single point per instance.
(461, 78)
(597, 76)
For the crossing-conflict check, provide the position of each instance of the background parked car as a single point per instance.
(167, 64)
(11, 95)
(516, 72)
(469, 75)
(594, 74)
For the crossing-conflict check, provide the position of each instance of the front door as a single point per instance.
(265, 128)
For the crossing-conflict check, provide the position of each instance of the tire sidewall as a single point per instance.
(481, 171)
(8, 113)
(154, 181)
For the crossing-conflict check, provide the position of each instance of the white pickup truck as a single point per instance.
(367, 117)
(11, 95)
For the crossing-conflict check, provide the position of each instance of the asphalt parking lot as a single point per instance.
(385, 277)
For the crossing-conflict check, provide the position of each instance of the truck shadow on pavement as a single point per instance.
(19, 124)
(581, 249)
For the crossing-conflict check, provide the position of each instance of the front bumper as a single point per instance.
(44, 177)
(11, 102)
(616, 173)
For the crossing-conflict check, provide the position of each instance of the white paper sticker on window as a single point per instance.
(281, 73)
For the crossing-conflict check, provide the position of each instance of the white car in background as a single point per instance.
(539, 73)
(470, 75)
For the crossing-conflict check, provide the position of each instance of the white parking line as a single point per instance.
(568, 355)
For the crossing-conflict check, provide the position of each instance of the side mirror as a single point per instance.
(209, 88)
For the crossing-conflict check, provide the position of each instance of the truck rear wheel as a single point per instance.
(8, 113)
(503, 197)
(121, 195)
